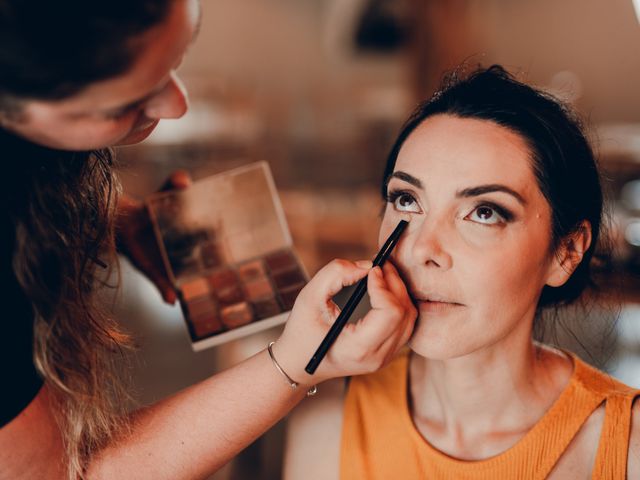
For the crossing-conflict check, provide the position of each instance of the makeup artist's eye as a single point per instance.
(118, 115)
(489, 215)
(403, 201)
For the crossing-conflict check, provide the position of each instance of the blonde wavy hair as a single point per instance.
(64, 212)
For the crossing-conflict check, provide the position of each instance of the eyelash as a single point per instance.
(506, 215)
(121, 113)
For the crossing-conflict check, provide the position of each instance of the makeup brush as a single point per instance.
(354, 300)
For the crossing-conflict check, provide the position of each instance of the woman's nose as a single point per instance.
(170, 102)
(426, 243)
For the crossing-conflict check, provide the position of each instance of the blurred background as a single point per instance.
(319, 88)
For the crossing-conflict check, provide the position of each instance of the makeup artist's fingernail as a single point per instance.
(377, 271)
(366, 264)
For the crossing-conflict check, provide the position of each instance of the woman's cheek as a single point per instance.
(389, 222)
(480, 236)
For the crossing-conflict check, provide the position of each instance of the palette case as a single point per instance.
(228, 251)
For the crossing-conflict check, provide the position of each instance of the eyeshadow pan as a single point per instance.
(258, 289)
(229, 295)
(288, 278)
(281, 260)
(194, 288)
(266, 307)
(236, 315)
(252, 270)
(201, 306)
(206, 325)
(221, 279)
(288, 296)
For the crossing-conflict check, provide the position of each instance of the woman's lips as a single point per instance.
(428, 306)
(435, 304)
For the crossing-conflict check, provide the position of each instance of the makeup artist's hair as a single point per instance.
(562, 159)
(62, 204)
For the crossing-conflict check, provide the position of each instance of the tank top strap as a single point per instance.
(613, 448)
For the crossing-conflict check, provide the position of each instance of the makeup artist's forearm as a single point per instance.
(198, 430)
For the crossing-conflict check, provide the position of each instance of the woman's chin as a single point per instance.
(435, 344)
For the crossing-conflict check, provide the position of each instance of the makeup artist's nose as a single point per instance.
(427, 245)
(170, 102)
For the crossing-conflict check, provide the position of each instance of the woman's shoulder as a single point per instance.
(619, 418)
(633, 459)
(600, 382)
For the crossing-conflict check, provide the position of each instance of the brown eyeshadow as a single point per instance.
(265, 308)
(195, 288)
(281, 260)
(201, 306)
(207, 325)
(228, 298)
(288, 296)
(252, 271)
(229, 295)
(221, 279)
(258, 289)
(288, 278)
(236, 315)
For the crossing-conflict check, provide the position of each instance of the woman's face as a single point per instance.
(123, 109)
(476, 254)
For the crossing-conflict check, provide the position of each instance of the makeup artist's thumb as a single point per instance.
(163, 285)
(178, 180)
(364, 263)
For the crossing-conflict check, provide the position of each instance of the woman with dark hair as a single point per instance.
(505, 205)
(77, 77)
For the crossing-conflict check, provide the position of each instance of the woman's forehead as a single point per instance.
(445, 149)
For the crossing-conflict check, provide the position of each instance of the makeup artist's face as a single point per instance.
(476, 253)
(124, 109)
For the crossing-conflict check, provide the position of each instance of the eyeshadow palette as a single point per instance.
(228, 251)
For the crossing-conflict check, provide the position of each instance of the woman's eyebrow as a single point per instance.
(405, 177)
(495, 187)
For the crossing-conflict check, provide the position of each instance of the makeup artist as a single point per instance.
(75, 78)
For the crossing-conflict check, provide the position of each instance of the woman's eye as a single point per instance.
(486, 215)
(404, 202)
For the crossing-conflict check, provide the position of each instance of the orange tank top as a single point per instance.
(380, 441)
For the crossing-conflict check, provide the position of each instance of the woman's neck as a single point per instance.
(478, 405)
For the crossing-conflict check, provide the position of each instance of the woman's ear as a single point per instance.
(569, 254)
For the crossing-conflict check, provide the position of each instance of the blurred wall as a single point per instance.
(596, 41)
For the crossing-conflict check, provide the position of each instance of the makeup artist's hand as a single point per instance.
(362, 347)
(135, 237)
